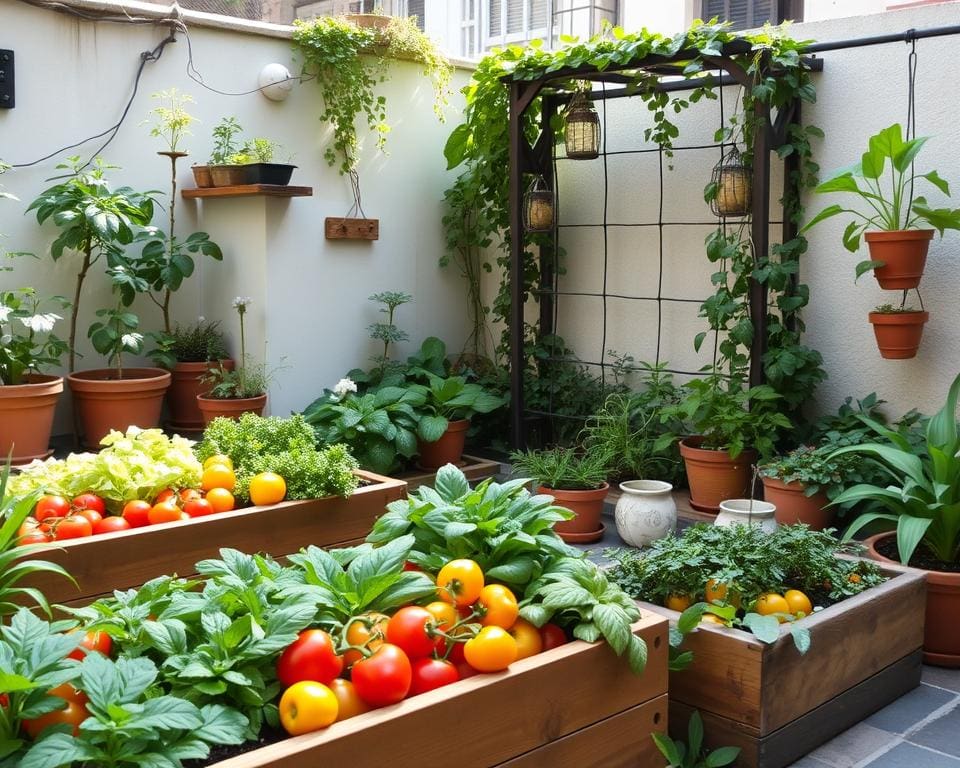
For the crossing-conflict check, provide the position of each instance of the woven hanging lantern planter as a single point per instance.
(733, 181)
(581, 135)
(538, 206)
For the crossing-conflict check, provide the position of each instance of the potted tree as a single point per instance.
(898, 330)
(576, 480)
(894, 219)
(449, 403)
(725, 437)
(919, 502)
(233, 392)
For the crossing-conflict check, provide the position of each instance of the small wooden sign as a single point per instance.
(352, 229)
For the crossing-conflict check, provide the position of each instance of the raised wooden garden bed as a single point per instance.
(101, 564)
(474, 469)
(571, 707)
(777, 705)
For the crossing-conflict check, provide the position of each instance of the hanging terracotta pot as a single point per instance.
(448, 449)
(587, 506)
(26, 417)
(185, 385)
(898, 333)
(713, 476)
(903, 253)
(793, 506)
(104, 402)
(941, 631)
(230, 408)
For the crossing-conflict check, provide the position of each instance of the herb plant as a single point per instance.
(200, 342)
(171, 121)
(449, 399)
(248, 379)
(29, 344)
(387, 332)
(225, 140)
(693, 754)
(564, 469)
(815, 468)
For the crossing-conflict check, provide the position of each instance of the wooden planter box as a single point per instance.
(474, 469)
(777, 705)
(573, 706)
(101, 564)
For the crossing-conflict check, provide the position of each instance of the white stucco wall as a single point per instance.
(311, 310)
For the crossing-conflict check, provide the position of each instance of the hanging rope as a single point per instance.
(911, 127)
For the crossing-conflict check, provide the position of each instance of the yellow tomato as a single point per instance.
(529, 642)
(218, 476)
(799, 603)
(307, 706)
(499, 606)
(267, 488)
(715, 590)
(220, 499)
(712, 618)
(771, 603)
(460, 582)
(492, 650)
(220, 458)
(677, 602)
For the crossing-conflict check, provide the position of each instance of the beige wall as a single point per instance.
(311, 311)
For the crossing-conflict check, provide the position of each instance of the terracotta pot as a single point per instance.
(182, 396)
(794, 507)
(26, 417)
(202, 176)
(898, 333)
(941, 632)
(903, 253)
(228, 175)
(447, 450)
(230, 408)
(713, 476)
(369, 20)
(104, 403)
(587, 507)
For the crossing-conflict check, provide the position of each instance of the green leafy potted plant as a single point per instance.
(226, 144)
(730, 426)
(241, 390)
(919, 500)
(892, 222)
(445, 416)
(259, 160)
(802, 483)
(578, 482)
(898, 330)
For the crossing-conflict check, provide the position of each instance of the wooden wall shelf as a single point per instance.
(248, 190)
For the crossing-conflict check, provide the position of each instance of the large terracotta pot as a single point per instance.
(26, 417)
(185, 385)
(587, 507)
(104, 403)
(941, 632)
(898, 333)
(713, 476)
(794, 507)
(448, 449)
(903, 253)
(230, 408)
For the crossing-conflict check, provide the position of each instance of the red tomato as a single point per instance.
(51, 506)
(90, 501)
(189, 494)
(165, 495)
(137, 513)
(111, 524)
(198, 507)
(73, 713)
(164, 512)
(383, 678)
(92, 641)
(552, 636)
(34, 537)
(408, 629)
(89, 514)
(312, 656)
(428, 674)
(408, 566)
(71, 527)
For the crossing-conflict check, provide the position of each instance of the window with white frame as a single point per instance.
(514, 21)
(469, 28)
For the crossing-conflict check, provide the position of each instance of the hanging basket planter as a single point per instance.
(538, 207)
(581, 135)
(732, 183)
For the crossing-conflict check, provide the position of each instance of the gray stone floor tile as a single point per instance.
(910, 709)
(809, 761)
(943, 734)
(942, 678)
(911, 756)
(854, 745)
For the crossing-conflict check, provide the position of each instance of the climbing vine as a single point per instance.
(477, 222)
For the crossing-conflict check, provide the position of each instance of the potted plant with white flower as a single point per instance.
(28, 397)
(241, 390)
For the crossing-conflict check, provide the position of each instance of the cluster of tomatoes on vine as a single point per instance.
(472, 628)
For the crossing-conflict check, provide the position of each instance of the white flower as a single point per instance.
(131, 340)
(241, 302)
(343, 386)
(41, 323)
(4, 313)
(201, 319)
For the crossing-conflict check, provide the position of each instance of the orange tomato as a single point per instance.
(220, 499)
(529, 642)
(712, 618)
(73, 713)
(369, 631)
(677, 602)
(460, 582)
(799, 603)
(218, 476)
(492, 650)
(219, 458)
(350, 704)
(770, 603)
(164, 512)
(267, 488)
(498, 606)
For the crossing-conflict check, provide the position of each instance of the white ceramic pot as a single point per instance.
(747, 512)
(645, 511)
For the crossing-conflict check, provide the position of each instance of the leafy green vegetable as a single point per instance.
(135, 465)
(693, 754)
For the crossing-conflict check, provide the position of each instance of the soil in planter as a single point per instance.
(220, 752)
(921, 557)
